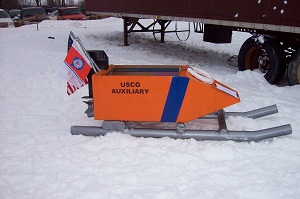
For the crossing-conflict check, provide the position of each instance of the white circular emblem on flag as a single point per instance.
(78, 63)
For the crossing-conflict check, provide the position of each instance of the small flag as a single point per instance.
(71, 88)
(70, 42)
(77, 63)
(77, 66)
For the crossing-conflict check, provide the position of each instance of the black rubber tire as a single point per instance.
(250, 52)
(293, 70)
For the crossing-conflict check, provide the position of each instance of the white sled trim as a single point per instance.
(201, 75)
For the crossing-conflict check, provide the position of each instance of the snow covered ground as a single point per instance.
(39, 158)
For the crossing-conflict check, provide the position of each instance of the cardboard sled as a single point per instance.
(156, 93)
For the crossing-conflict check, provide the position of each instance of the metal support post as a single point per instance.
(125, 26)
(162, 30)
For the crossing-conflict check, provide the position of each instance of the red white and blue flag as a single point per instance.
(77, 67)
(77, 63)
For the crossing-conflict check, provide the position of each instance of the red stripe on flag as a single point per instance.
(71, 88)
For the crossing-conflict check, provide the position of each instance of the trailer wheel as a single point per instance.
(293, 70)
(266, 55)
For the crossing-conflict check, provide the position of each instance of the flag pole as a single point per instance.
(94, 65)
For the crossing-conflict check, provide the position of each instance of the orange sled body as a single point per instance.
(156, 93)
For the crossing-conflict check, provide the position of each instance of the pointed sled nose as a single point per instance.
(201, 99)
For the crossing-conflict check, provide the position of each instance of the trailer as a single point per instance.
(274, 46)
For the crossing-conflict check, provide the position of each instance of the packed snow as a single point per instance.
(39, 158)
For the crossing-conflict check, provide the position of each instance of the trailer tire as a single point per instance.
(267, 55)
(293, 70)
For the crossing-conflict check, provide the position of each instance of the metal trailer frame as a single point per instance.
(236, 25)
(182, 131)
